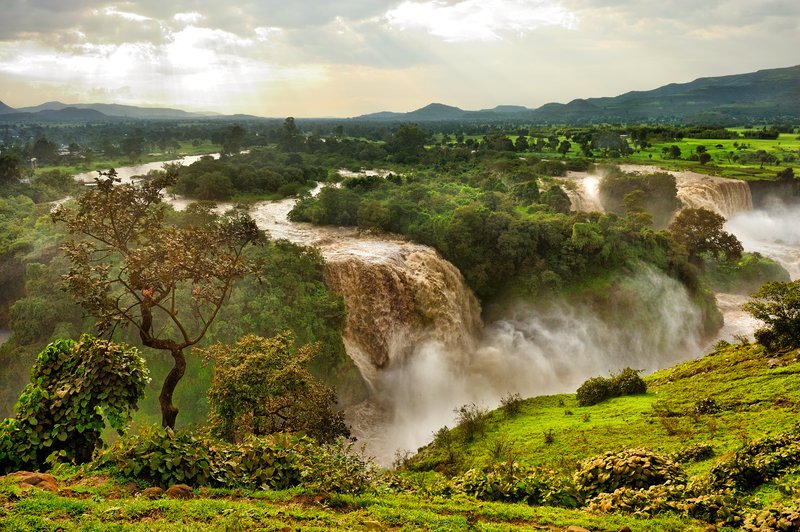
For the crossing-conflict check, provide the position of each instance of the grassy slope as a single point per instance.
(758, 395)
(756, 400)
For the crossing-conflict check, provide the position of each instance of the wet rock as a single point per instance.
(179, 491)
(42, 481)
(153, 493)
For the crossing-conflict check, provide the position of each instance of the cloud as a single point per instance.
(479, 20)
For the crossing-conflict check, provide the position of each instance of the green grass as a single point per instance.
(756, 400)
(109, 506)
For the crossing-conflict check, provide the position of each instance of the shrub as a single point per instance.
(76, 387)
(163, 457)
(471, 420)
(758, 462)
(693, 453)
(513, 484)
(628, 382)
(707, 406)
(774, 519)
(511, 404)
(631, 468)
(598, 389)
(594, 391)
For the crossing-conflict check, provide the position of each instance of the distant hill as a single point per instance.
(122, 111)
(5, 109)
(764, 95)
(68, 114)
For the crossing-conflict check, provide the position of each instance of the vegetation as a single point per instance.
(76, 387)
(598, 389)
(700, 231)
(133, 269)
(261, 386)
(777, 304)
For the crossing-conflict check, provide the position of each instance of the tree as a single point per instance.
(10, 168)
(291, 138)
(564, 147)
(75, 388)
(131, 268)
(261, 386)
(704, 157)
(777, 304)
(700, 231)
(232, 139)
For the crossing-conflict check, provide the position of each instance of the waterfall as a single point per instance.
(723, 196)
(585, 196)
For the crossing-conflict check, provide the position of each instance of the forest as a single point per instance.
(223, 326)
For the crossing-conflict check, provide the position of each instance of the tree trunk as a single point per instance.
(169, 412)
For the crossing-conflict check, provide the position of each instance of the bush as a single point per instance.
(76, 388)
(598, 389)
(631, 468)
(628, 382)
(471, 421)
(594, 391)
(758, 462)
(693, 453)
(513, 484)
(774, 519)
(511, 404)
(707, 406)
(163, 457)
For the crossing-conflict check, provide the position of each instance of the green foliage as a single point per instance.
(510, 483)
(758, 462)
(742, 276)
(512, 404)
(598, 389)
(163, 457)
(261, 386)
(700, 232)
(776, 519)
(777, 304)
(693, 453)
(631, 468)
(658, 192)
(471, 421)
(76, 387)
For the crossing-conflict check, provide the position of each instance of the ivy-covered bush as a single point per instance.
(163, 457)
(693, 453)
(774, 519)
(720, 508)
(631, 468)
(594, 391)
(75, 388)
(514, 484)
(758, 462)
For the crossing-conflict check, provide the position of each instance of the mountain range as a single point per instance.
(765, 95)
(101, 112)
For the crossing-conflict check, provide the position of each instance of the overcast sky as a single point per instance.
(344, 58)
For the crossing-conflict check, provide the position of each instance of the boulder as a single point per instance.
(179, 491)
(42, 481)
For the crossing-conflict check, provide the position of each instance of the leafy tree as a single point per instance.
(261, 386)
(407, 143)
(705, 157)
(75, 388)
(556, 199)
(700, 231)
(564, 147)
(778, 305)
(131, 268)
(232, 139)
(10, 168)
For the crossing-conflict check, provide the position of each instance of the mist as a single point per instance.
(773, 231)
(530, 351)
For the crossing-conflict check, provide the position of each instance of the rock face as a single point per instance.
(42, 481)
(398, 300)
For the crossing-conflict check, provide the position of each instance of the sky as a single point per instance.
(314, 58)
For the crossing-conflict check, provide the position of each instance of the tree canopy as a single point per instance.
(131, 268)
(261, 386)
(777, 304)
(700, 231)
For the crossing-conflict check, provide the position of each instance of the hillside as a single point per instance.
(764, 95)
(5, 108)
(746, 394)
